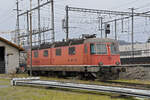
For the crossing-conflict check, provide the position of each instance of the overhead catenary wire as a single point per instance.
(75, 18)
(125, 4)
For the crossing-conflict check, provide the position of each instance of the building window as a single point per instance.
(58, 52)
(36, 54)
(72, 50)
(45, 53)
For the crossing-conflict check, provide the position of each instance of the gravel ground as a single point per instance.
(138, 73)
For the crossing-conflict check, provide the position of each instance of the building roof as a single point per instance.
(11, 44)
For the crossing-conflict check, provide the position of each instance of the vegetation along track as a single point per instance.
(129, 85)
(135, 84)
(138, 84)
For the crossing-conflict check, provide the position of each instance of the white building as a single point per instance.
(140, 50)
(9, 56)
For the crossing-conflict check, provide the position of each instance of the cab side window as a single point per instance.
(72, 51)
(58, 52)
(45, 53)
(36, 54)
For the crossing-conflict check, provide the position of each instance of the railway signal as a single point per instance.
(107, 30)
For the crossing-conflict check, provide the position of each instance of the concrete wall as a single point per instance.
(11, 57)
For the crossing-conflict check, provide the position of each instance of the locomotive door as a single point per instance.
(85, 56)
(51, 56)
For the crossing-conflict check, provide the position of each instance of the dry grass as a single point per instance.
(28, 93)
(134, 81)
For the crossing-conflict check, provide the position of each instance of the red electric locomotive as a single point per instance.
(86, 57)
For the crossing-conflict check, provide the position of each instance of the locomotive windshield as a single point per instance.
(98, 49)
(101, 48)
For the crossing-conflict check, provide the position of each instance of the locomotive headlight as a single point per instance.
(100, 63)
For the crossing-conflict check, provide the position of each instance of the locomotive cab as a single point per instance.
(104, 53)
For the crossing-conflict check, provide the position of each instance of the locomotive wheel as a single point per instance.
(108, 74)
(86, 76)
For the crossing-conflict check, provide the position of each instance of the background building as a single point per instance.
(9, 56)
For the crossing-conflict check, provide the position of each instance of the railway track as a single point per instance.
(97, 88)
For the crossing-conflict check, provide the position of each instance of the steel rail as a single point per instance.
(97, 88)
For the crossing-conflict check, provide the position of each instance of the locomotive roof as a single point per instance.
(72, 42)
(90, 40)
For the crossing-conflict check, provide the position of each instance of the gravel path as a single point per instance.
(139, 73)
(3, 86)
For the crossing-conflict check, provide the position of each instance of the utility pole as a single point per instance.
(18, 27)
(122, 22)
(132, 34)
(39, 23)
(28, 30)
(67, 23)
(105, 31)
(115, 29)
(52, 21)
(18, 30)
(30, 37)
(101, 27)
(100, 21)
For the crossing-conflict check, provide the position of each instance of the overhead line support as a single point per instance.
(30, 38)
(52, 21)
(18, 23)
(67, 22)
(35, 8)
(115, 29)
(28, 29)
(132, 34)
(107, 12)
(39, 23)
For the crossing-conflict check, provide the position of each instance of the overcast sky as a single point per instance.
(8, 15)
